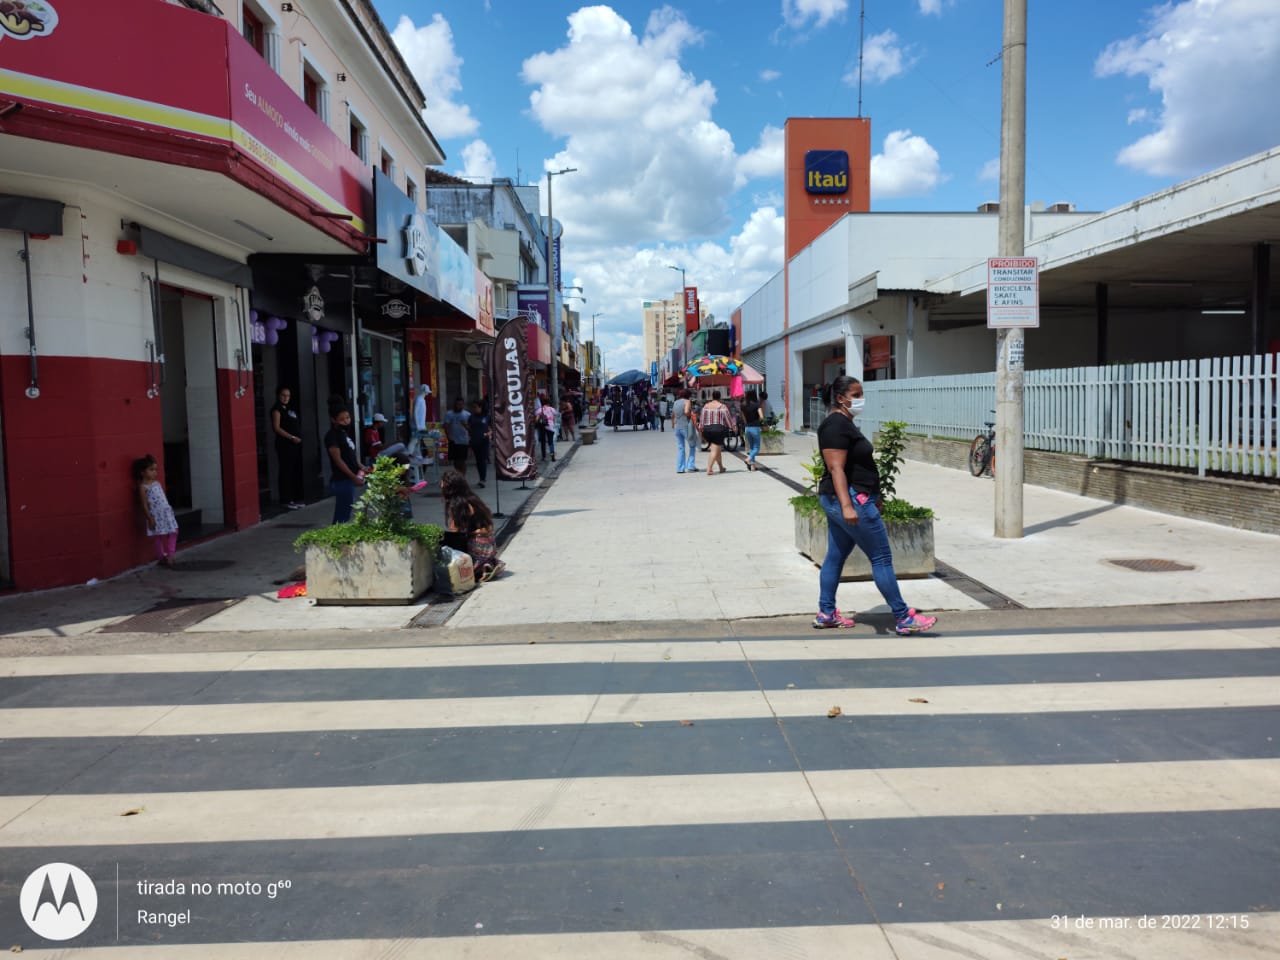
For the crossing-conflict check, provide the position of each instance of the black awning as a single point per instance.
(179, 253)
(30, 214)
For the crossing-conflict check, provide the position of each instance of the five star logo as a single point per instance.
(58, 901)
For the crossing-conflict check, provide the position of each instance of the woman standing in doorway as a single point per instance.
(287, 427)
(850, 496)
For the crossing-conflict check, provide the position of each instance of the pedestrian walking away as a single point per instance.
(545, 418)
(478, 430)
(850, 496)
(754, 418)
(685, 427)
(715, 422)
(162, 524)
(455, 429)
(347, 475)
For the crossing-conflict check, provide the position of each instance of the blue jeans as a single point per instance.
(869, 535)
(344, 495)
(547, 439)
(753, 443)
(686, 448)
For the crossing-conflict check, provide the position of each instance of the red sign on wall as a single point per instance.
(690, 309)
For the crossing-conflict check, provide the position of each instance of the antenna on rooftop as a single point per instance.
(862, 27)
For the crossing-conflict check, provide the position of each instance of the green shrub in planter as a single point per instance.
(381, 555)
(378, 516)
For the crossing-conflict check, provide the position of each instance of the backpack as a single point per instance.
(542, 420)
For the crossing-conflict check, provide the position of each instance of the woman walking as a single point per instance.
(754, 419)
(716, 422)
(686, 431)
(850, 496)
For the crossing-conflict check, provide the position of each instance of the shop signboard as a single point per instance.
(691, 318)
(135, 89)
(418, 253)
(512, 421)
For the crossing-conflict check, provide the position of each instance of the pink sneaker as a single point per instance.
(826, 621)
(914, 623)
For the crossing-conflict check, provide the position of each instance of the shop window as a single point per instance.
(252, 29)
(315, 92)
(260, 32)
(359, 139)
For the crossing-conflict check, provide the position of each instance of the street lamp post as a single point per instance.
(553, 314)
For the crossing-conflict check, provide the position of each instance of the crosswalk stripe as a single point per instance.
(614, 802)
(817, 647)
(230, 718)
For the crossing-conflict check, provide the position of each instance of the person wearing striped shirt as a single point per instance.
(716, 422)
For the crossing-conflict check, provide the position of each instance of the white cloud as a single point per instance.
(990, 170)
(882, 59)
(652, 165)
(1141, 115)
(765, 159)
(759, 246)
(908, 167)
(1211, 62)
(429, 53)
(797, 13)
(478, 162)
(931, 7)
(768, 76)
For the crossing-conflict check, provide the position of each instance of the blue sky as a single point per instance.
(673, 115)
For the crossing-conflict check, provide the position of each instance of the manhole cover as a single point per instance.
(1152, 565)
(172, 616)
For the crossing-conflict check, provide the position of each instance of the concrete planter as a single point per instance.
(588, 435)
(369, 573)
(771, 445)
(910, 540)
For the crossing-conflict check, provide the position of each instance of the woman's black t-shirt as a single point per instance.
(837, 432)
(337, 437)
(751, 414)
(289, 423)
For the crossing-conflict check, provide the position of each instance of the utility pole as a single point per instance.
(553, 311)
(1010, 341)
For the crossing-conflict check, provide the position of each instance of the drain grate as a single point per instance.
(1152, 565)
(173, 615)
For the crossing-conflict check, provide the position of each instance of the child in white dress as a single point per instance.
(162, 525)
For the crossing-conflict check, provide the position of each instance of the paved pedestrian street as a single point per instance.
(1048, 791)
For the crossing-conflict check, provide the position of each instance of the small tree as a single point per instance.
(378, 515)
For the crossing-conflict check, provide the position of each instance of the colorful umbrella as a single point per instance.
(709, 365)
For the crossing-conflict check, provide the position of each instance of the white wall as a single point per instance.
(818, 276)
(762, 314)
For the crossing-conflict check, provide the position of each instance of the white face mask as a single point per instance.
(856, 405)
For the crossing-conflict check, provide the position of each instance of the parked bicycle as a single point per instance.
(982, 452)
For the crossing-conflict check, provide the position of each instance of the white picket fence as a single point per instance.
(1217, 414)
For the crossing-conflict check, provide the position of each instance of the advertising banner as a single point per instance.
(690, 309)
(512, 424)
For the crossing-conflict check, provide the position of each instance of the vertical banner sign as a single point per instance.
(512, 428)
(690, 309)
(1013, 292)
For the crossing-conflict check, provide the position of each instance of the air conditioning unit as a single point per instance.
(991, 206)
